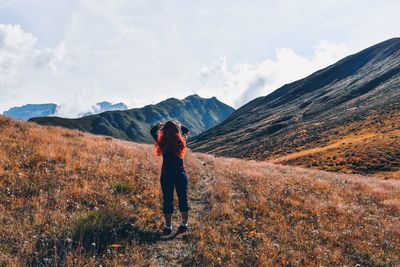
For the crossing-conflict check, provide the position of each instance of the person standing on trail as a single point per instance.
(170, 142)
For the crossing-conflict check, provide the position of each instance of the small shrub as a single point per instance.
(96, 230)
(121, 187)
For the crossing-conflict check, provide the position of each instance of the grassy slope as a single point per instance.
(81, 199)
(369, 146)
(305, 122)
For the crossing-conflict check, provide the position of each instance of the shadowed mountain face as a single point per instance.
(196, 113)
(358, 95)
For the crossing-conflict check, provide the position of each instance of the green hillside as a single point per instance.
(195, 112)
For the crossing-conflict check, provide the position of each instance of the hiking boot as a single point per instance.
(167, 230)
(183, 228)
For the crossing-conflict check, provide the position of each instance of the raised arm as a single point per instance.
(185, 131)
(154, 131)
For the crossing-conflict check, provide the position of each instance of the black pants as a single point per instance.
(179, 181)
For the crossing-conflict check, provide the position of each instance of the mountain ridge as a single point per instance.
(307, 113)
(195, 112)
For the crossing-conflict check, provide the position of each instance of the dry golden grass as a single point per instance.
(348, 140)
(73, 199)
(370, 146)
(50, 176)
(269, 214)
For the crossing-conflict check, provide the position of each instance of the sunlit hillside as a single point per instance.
(75, 199)
(369, 146)
(342, 118)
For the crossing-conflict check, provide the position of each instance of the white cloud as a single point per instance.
(16, 49)
(243, 82)
(77, 104)
(236, 84)
(55, 59)
(21, 59)
(142, 52)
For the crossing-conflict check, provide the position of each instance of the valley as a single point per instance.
(72, 198)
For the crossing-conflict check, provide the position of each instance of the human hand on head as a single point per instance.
(185, 130)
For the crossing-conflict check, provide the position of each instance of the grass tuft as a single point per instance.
(96, 230)
(120, 187)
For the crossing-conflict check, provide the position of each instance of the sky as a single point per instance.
(79, 52)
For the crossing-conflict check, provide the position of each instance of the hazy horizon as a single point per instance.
(77, 53)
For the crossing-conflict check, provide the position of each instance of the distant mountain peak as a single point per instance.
(194, 96)
(27, 111)
(105, 106)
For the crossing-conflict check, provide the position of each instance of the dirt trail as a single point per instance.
(169, 251)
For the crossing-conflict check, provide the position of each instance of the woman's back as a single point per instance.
(171, 162)
(171, 144)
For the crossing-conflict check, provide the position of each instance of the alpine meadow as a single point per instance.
(199, 133)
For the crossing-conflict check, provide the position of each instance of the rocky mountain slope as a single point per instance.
(74, 199)
(195, 112)
(28, 111)
(344, 118)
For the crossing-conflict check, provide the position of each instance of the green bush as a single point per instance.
(95, 230)
(121, 187)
